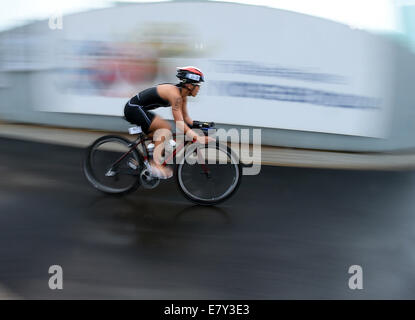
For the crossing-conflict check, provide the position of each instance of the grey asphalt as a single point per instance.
(289, 233)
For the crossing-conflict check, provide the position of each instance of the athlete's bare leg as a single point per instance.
(161, 131)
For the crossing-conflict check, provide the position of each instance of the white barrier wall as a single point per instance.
(264, 67)
(332, 87)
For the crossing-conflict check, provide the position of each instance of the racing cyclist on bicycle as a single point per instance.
(137, 111)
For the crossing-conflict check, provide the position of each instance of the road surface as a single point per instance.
(289, 233)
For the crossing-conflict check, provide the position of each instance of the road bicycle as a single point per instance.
(206, 174)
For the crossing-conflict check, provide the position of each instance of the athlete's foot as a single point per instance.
(161, 172)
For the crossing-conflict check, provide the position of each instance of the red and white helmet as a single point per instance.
(190, 75)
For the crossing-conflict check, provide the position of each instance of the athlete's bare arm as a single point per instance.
(186, 116)
(178, 107)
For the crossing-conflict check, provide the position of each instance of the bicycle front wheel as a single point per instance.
(209, 174)
(104, 169)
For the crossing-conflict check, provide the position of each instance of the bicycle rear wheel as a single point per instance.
(209, 174)
(100, 171)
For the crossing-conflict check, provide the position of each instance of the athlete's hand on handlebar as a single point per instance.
(201, 124)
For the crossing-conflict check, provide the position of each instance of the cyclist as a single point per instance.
(137, 111)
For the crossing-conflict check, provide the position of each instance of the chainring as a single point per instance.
(147, 181)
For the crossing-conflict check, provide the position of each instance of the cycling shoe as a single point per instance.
(157, 173)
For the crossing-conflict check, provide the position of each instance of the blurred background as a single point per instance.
(329, 83)
(321, 75)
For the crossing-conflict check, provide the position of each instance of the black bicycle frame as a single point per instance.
(141, 139)
(133, 146)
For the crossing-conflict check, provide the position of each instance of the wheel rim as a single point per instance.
(222, 180)
(100, 159)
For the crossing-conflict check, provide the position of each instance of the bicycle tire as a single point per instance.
(89, 172)
(229, 194)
